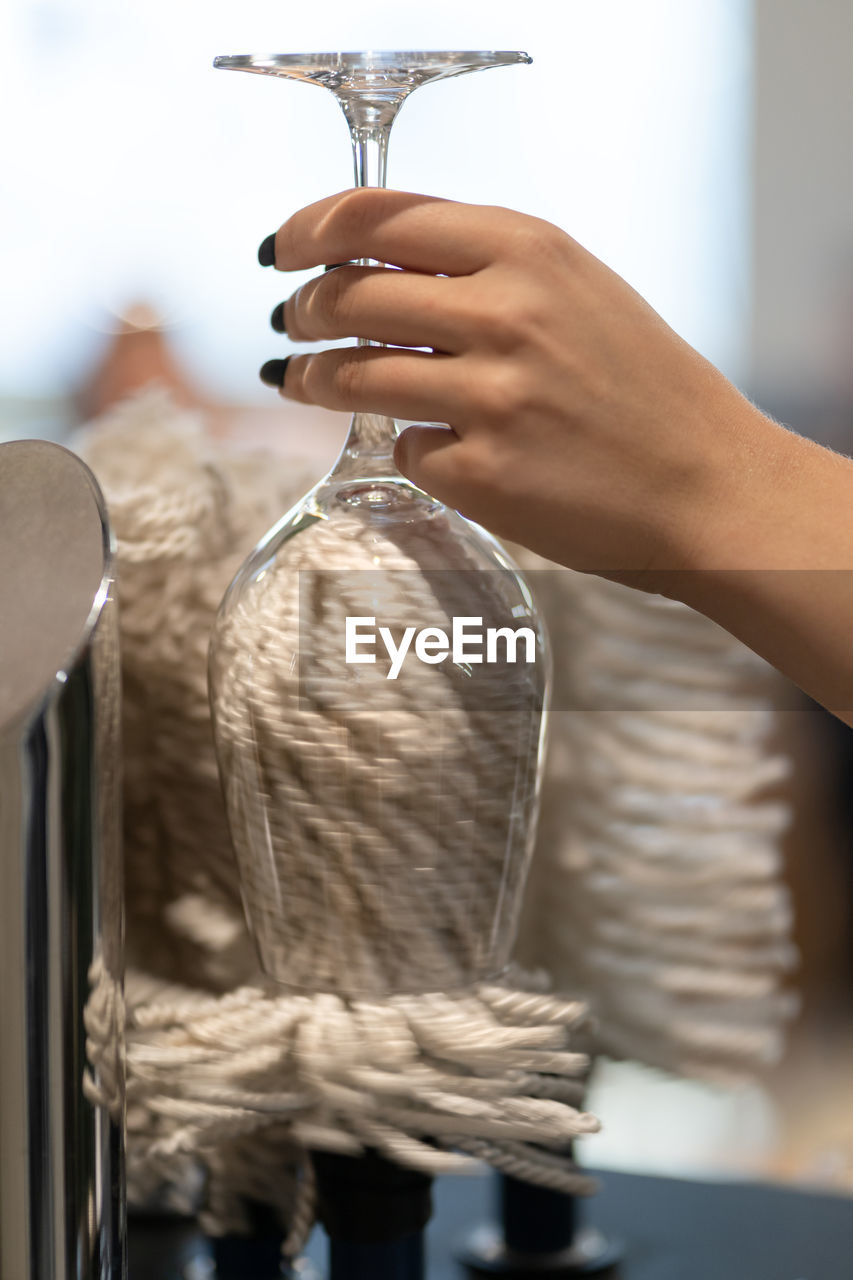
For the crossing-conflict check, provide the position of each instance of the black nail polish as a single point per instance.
(266, 253)
(277, 319)
(333, 266)
(272, 373)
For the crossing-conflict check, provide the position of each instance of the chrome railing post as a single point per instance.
(61, 1141)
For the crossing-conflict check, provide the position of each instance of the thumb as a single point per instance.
(428, 457)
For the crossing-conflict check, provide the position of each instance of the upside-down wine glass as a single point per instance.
(382, 818)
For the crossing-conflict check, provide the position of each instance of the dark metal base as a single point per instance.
(677, 1230)
(374, 1213)
(484, 1253)
(401, 1259)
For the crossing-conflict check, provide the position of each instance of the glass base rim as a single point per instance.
(368, 70)
(367, 59)
(493, 974)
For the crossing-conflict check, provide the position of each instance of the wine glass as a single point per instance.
(382, 807)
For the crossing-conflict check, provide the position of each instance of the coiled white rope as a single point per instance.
(222, 1067)
(657, 892)
(381, 825)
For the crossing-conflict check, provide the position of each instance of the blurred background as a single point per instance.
(700, 147)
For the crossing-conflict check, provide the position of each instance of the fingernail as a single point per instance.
(272, 373)
(277, 319)
(333, 266)
(266, 253)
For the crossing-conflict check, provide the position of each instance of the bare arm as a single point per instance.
(780, 573)
(580, 424)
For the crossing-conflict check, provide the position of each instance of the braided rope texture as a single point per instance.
(656, 894)
(382, 826)
(224, 1071)
(657, 891)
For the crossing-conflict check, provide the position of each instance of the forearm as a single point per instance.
(777, 568)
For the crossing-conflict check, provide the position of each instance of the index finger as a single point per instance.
(418, 233)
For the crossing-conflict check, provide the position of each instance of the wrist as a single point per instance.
(735, 515)
(741, 517)
(774, 502)
(748, 488)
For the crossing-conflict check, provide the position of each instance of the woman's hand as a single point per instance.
(580, 424)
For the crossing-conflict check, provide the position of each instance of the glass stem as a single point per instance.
(369, 447)
(370, 165)
(370, 151)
